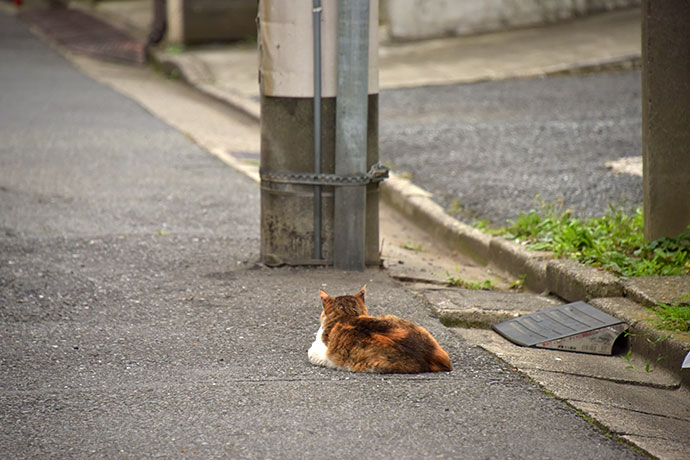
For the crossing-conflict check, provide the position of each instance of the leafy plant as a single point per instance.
(485, 285)
(455, 208)
(672, 317)
(649, 366)
(614, 242)
(411, 247)
(518, 284)
(626, 358)
(175, 49)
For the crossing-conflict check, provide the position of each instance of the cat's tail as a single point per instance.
(440, 361)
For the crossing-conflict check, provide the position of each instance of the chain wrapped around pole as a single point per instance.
(377, 173)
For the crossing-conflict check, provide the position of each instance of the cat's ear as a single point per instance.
(327, 302)
(360, 294)
(324, 298)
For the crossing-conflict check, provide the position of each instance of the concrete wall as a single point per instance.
(416, 19)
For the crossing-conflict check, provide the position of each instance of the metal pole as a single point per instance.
(349, 219)
(317, 127)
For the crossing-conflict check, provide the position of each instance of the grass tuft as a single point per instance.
(614, 242)
(485, 285)
(412, 246)
(672, 317)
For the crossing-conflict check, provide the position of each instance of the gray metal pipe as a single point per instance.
(349, 218)
(317, 127)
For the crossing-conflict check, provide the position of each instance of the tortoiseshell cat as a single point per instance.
(350, 339)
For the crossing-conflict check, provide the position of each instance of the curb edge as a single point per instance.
(565, 278)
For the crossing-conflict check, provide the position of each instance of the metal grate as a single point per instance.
(85, 34)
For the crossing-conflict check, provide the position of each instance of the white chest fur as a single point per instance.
(317, 352)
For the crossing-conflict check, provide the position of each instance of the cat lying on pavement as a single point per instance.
(350, 339)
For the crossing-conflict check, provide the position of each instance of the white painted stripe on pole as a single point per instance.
(286, 62)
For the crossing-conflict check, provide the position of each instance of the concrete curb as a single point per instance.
(573, 281)
(517, 261)
(417, 205)
(567, 279)
(196, 74)
(659, 348)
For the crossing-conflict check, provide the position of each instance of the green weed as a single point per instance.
(649, 366)
(519, 284)
(614, 242)
(626, 358)
(455, 208)
(485, 226)
(672, 317)
(485, 285)
(411, 246)
(175, 49)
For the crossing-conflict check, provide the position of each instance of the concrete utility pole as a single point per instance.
(293, 186)
(666, 117)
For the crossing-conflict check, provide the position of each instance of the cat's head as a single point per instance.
(340, 307)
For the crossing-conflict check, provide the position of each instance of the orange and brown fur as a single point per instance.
(350, 339)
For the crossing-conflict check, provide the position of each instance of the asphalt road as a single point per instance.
(491, 150)
(135, 323)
